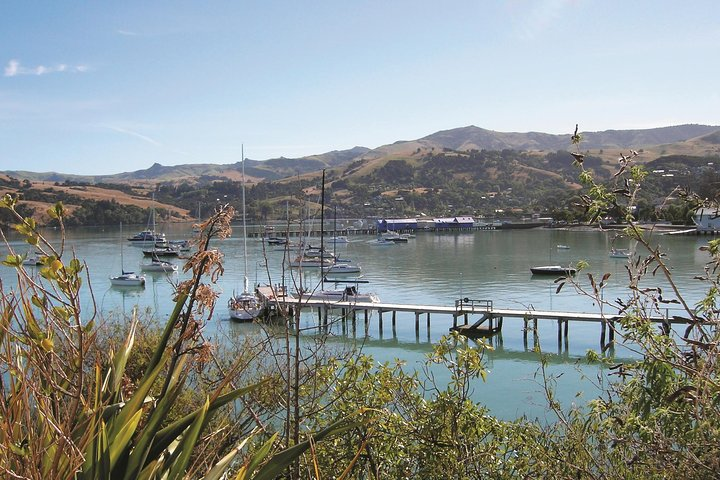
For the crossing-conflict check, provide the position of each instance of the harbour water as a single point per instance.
(431, 269)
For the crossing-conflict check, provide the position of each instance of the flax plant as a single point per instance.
(68, 410)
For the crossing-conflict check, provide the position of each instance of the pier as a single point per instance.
(490, 321)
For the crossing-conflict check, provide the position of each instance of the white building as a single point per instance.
(707, 219)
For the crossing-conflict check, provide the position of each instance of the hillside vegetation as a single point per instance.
(468, 171)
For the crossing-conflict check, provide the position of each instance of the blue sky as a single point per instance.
(109, 87)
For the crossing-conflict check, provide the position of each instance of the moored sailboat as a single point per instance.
(245, 306)
(126, 279)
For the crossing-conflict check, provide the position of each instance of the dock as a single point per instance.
(490, 321)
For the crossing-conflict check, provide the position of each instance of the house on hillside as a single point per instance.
(707, 219)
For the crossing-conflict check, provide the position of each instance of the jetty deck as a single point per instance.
(489, 323)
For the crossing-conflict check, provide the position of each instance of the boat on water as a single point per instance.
(394, 237)
(33, 259)
(310, 262)
(157, 265)
(171, 251)
(149, 237)
(244, 306)
(338, 239)
(562, 247)
(552, 270)
(620, 253)
(342, 268)
(347, 294)
(180, 245)
(380, 242)
(126, 279)
(276, 240)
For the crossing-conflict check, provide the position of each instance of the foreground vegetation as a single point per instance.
(84, 398)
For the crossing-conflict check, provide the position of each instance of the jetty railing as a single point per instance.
(468, 305)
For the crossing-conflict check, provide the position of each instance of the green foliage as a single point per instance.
(68, 409)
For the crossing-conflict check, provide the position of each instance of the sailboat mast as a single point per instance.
(322, 231)
(245, 278)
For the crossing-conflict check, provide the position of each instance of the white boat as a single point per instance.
(563, 247)
(126, 279)
(180, 245)
(380, 242)
(342, 268)
(552, 270)
(338, 239)
(149, 236)
(394, 237)
(245, 306)
(314, 262)
(347, 294)
(157, 265)
(33, 259)
(171, 251)
(620, 253)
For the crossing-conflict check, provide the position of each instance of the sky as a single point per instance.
(97, 88)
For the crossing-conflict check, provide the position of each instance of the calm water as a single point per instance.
(432, 269)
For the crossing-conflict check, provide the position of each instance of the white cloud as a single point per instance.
(127, 33)
(13, 69)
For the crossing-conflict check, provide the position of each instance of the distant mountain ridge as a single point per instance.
(459, 139)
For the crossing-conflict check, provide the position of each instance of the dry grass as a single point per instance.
(96, 194)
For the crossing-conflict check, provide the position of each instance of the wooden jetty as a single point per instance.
(489, 323)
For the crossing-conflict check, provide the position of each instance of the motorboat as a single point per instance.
(552, 270)
(149, 237)
(562, 247)
(394, 237)
(380, 242)
(276, 240)
(338, 239)
(620, 253)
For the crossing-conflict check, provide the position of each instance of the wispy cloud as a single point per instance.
(540, 16)
(142, 137)
(127, 33)
(14, 68)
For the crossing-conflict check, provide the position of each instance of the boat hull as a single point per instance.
(552, 270)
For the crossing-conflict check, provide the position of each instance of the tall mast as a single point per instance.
(322, 231)
(245, 278)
